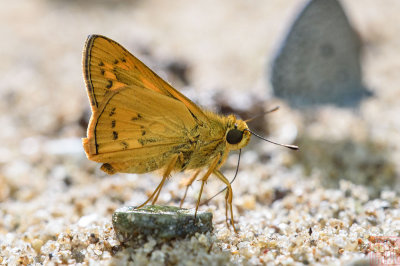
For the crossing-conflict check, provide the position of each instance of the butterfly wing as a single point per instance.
(109, 66)
(138, 120)
(319, 61)
(137, 130)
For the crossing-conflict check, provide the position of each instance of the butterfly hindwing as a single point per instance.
(127, 131)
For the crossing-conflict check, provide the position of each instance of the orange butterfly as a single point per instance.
(140, 123)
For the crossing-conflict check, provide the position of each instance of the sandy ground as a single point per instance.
(330, 203)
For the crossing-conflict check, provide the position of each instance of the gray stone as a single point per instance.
(158, 222)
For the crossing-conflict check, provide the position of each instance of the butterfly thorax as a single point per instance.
(217, 137)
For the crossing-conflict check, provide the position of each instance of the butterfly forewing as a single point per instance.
(108, 66)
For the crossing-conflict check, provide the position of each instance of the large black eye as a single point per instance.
(234, 136)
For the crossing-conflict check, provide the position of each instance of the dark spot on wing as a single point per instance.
(112, 112)
(141, 141)
(143, 132)
(115, 135)
(136, 117)
(179, 148)
(151, 165)
(113, 124)
(116, 61)
(101, 63)
(102, 71)
(145, 141)
(123, 60)
(327, 50)
(125, 145)
(109, 85)
(108, 168)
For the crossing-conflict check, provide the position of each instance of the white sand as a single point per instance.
(56, 206)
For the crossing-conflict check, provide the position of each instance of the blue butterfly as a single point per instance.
(319, 61)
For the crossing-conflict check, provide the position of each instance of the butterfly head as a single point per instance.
(237, 134)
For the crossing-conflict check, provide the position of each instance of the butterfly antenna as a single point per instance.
(222, 190)
(293, 147)
(264, 113)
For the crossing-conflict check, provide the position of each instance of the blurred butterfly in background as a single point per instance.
(140, 123)
(319, 61)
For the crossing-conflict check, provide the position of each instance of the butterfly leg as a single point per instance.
(156, 192)
(155, 198)
(228, 197)
(189, 182)
(226, 209)
(204, 180)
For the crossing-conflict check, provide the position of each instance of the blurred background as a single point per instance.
(218, 53)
